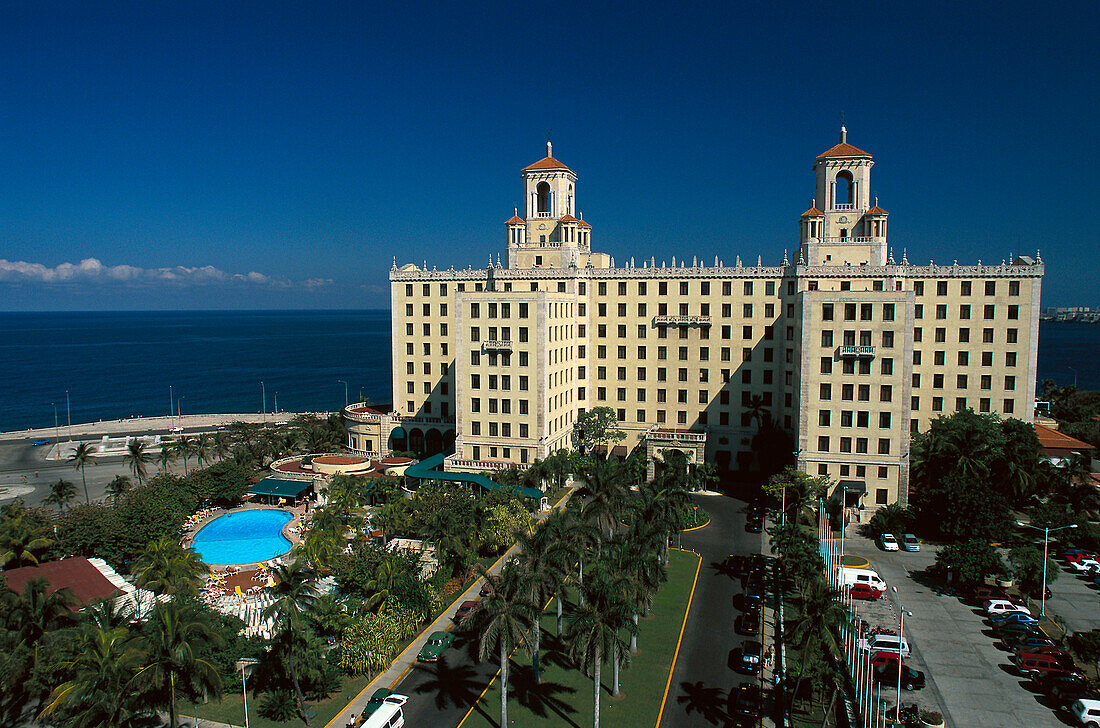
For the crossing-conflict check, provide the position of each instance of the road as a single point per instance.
(441, 693)
(702, 681)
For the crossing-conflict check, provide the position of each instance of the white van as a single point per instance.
(389, 714)
(850, 577)
(884, 643)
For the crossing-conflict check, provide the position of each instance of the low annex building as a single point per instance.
(848, 347)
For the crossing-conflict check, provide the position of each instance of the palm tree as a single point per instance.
(174, 637)
(81, 457)
(321, 546)
(385, 579)
(118, 487)
(164, 567)
(137, 458)
(543, 567)
(204, 448)
(502, 619)
(104, 690)
(166, 456)
(605, 490)
(37, 612)
(819, 614)
(222, 444)
(61, 494)
(639, 573)
(294, 594)
(19, 545)
(185, 447)
(593, 634)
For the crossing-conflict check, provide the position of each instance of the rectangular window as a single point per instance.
(823, 444)
(826, 365)
(826, 312)
(941, 288)
(991, 288)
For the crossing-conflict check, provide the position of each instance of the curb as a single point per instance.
(676, 654)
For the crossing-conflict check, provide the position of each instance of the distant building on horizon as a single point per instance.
(846, 347)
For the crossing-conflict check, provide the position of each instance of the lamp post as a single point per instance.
(56, 430)
(901, 642)
(341, 381)
(1046, 544)
(244, 665)
(179, 412)
(263, 400)
(171, 401)
(68, 415)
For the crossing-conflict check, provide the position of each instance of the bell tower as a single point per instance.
(549, 235)
(846, 230)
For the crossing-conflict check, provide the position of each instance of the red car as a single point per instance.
(880, 659)
(864, 591)
(464, 610)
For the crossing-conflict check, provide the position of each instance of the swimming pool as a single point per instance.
(243, 538)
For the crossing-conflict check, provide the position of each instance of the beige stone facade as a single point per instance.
(845, 347)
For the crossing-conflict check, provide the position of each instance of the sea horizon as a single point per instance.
(125, 363)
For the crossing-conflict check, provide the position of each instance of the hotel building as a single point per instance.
(847, 348)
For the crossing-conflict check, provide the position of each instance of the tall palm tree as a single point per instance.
(137, 459)
(166, 568)
(321, 546)
(294, 594)
(19, 545)
(118, 487)
(814, 629)
(204, 448)
(636, 562)
(385, 579)
(185, 447)
(543, 566)
(105, 687)
(502, 619)
(61, 494)
(166, 456)
(172, 642)
(605, 491)
(222, 444)
(593, 634)
(37, 612)
(81, 457)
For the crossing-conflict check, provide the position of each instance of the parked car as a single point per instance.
(1001, 606)
(376, 701)
(878, 659)
(884, 643)
(887, 674)
(747, 624)
(909, 542)
(1036, 643)
(1084, 565)
(1064, 689)
(1045, 593)
(1013, 618)
(40, 443)
(1033, 664)
(1008, 633)
(887, 542)
(747, 704)
(434, 647)
(752, 603)
(465, 610)
(747, 658)
(1071, 555)
(1086, 712)
(863, 591)
(735, 564)
(754, 523)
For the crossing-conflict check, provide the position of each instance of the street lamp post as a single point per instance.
(56, 430)
(171, 401)
(244, 665)
(68, 415)
(1046, 545)
(901, 642)
(263, 399)
(341, 381)
(179, 412)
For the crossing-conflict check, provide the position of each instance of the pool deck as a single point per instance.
(297, 513)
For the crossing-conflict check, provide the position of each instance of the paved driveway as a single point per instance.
(1074, 600)
(966, 666)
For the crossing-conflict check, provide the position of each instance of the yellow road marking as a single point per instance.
(676, 654)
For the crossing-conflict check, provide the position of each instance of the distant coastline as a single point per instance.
(1083, 317)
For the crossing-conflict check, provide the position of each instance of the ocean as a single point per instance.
(121, 364)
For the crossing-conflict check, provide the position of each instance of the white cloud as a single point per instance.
(91, 270)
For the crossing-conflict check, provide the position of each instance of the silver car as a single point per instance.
(909, 542)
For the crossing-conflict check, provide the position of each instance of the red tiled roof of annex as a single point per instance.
(515, 219)
(844, 149)
(77, 574)
(546, 163)
(813, 212)
(876, 210)
(1054, 442)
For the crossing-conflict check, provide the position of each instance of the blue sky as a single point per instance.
(279, 155)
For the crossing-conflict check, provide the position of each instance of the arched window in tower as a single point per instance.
(543, 191)
(569, 204)
(845, 191)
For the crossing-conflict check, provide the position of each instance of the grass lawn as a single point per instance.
(565, 696)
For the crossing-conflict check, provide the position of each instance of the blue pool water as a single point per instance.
(243, 538)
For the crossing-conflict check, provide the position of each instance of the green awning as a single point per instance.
(425, 470)
(397, 432)
(280, 488)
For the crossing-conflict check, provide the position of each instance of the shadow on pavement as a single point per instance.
(457, 685)
(712, 704)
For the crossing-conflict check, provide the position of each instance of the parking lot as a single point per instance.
(967, 671)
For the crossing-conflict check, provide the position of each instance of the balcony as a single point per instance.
(681, 320)
(851, 350)
(844, 206)
(657, 434)
(496, 345)
(851, 239)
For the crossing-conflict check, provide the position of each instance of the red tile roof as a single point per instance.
(514, 220)
(813, 212)
(546, 163)
(584, 224)
(876, 210)
(567, 218)
(844, 149)
(77, 574)
(1052, 440)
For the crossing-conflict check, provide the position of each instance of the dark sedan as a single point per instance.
(746, 658)
(747, 624)
(887, 674)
